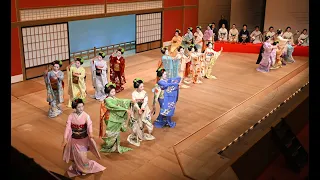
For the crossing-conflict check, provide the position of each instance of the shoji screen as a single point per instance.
(148, 31)
(43, 45)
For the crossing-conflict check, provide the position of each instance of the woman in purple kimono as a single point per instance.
(266, 61)
(78, 140)
(166, 92)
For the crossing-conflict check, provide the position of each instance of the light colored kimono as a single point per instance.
(271, 34)
(210, 58)
(303, 40)
(289, 36)
(98, 82)
(76, 90)
(182, 65)
(266, 61)
(223, 34)
(233, 35)
(198, 40)
(256, 37)
(196, 66)
(207, 37)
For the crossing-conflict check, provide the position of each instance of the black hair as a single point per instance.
(213, 23)
(75, 103)
(79, 59)
(233, 24)
(267, 37)
(190, 29)
(210, 26)
(137, 83)
(209, 43)
(305, 30)
(101, 54)
(198, 27)
(160, 72)
(279, 31)
(244, 25)
(120, 49)
(270, 27)
(288, 28)
(257, 27)
(190, 48)
(109, 88)
(56, 62)
(179, 48)
(178, 31)
(275, 43)
(163, 50)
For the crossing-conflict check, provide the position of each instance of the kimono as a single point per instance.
(289, 36)
(187, 40)
(210, 58)
(196, 66)
(198, 40)
(207, 36)
(244, 36)
(233, 35)
(182, 69)
(215, 34)
(175, 43)
(256, 37)
(77, 85)
(78, 144)
(138, 121)
(271, 35)
(223, 34)
(117, 76)
(99, 78)
(266, 61)
(167, 64)
(166, 92)
(288, 56)
(117, 115)
(54, 92)
(303, 40)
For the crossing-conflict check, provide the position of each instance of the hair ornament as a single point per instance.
(102, 53)
(60, 62)
(110, 84)
(178, 31)
(137, 79)
(121, 50)
(81, 59)
(210, 25)
(160, 69)
(164, 48)
(77, 100)
(199, 27)
(190, 28)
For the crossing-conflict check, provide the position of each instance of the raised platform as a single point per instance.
(255, 48)
(39, 137)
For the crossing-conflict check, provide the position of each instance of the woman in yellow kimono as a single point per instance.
(281, 51)
(210, 58)
(196, 64)
(175, 43)
(76, 81)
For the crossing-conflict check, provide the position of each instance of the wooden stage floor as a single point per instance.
(40, 137)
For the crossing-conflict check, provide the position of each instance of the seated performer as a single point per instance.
(99, 70)
(256, 36)
(198, 38)
(288, 35)
(223, 34)
(141, 115)
(187, 39)
(117, 66)
(266, 61)
(233, 34)
(116, 116)
(54, 84)
(78, 140)
(196, 64)
(271, 34)
(244, 35)
(208, 34)
(210, 58)
(303, 39)
(166, 93)
(175, 43)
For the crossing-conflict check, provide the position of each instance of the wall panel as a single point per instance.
(28, 4)
(172, 20)
(16, 67)
(172, 3)
(13, 11)
(191, 2)
(190, 18)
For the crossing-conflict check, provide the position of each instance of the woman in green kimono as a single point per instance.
(118, 112)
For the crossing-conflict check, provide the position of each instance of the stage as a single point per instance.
(40, 137)
(255, 48)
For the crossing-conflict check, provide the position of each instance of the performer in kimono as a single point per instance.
(54, 84)
(117, 66)
(196, 64)
(223, 34)
(271, 34)
(166, 93)
(288, 35)
(282, 47)
(183, 70)
(233, 34)
(210, 58)
(276, 56)
(261, 51)
(187, 38)
(99, 70)
(288, 58)
(266, 60)
(244, 35)
(78, 140)
(303, 39)
(141, 116)
(116, 116)
(256, 36)
(167, 62)
(208, 34)
(215, 32)
(76, 80)
(175, 43)
(198, 38)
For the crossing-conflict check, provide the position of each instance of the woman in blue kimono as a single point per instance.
(54, 84)
(167, 62)
(166, 92)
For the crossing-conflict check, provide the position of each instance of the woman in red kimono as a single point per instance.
(117, 65)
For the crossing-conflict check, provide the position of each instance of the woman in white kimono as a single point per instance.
(223, 33)
(288, 35)
(198, 35)
(141, 115)
(256, 36)
(271, 34)
(233, 34)
(183, 60)
(99, 70)
(210, 58)
(303, 39)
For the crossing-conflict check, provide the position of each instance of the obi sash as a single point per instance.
(233, 35)
(54, 84)
(116, 67)
(140, 102)
(79, 131)
(223, 34)
(244, 36)
(75, 80)
(98, 72)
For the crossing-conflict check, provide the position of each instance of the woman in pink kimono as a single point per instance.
(78, 140)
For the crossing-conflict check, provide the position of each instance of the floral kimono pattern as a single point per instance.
(117, 75)
(266, 59)
(196, 67)
(99, 78)
(288, 57)
(167, 64)
(77, 85)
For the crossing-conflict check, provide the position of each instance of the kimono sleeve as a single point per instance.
(89, 125)
(120, 108)
(145, 101)
(82, 72)
(60, 76)
(68, 127)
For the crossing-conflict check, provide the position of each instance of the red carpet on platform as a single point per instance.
(255, 48)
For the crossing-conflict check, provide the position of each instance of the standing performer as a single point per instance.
(271, 34)
(198, 38)
(117, 66)
(223, 34)
(167, 62)
(208, 34)
(196, 64)
(256, 36)
(116, 115)
(233, 34)
(76, 81)
(187, 38)
(244, 35)
(54, 84)
(288, 58)
(183, 72)
(266, 61)
(100, 76)
(175, 43)
(282, 47)
(78, 140)
(210, 58)
(141, 115)
(303, 39)
(166, 93)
